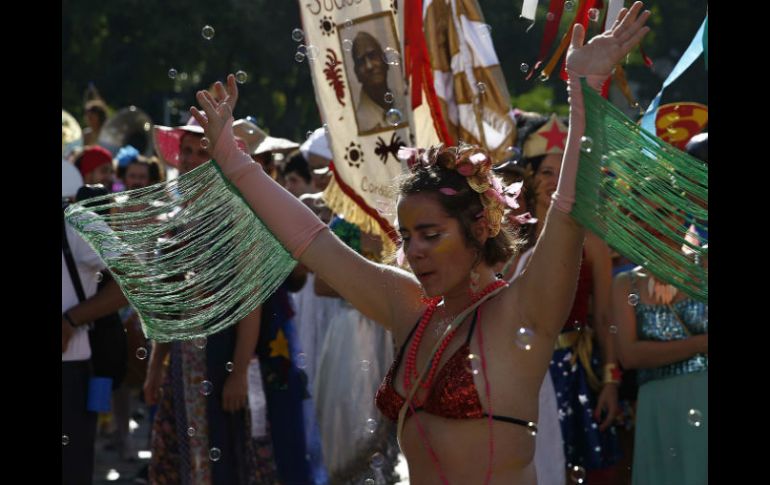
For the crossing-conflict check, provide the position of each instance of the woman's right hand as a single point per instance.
(216, 112)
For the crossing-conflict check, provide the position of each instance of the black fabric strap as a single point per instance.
(520, 422)
(473, 326)
(73, 270)
(506, 419)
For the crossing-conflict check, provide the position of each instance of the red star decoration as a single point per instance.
(555, 137)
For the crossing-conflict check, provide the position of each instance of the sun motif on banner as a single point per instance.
(354, 155)
(327, 25)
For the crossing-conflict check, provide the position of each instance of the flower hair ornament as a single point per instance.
(521, 219)
(413, 156)
(476, 166)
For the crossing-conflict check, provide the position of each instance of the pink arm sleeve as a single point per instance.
(564, 197)
(287, 218)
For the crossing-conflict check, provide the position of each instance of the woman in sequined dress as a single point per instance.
(664, 335)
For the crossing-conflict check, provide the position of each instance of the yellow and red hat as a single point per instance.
(550, 138)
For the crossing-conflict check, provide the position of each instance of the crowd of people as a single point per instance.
(516, 348)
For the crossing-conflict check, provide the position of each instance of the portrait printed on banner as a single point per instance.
(376, 86)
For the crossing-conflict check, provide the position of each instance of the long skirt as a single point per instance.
(194, 441)
(672, 434)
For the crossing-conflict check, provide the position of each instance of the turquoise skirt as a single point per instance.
(671, 443)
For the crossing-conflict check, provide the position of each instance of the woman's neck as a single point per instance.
(460, 297)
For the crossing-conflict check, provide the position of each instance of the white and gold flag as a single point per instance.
(467, 97)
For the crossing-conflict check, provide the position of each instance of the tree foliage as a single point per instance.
(126, 48)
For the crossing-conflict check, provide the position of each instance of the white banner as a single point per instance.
(528, 9)
(355, 57)
(613, 9)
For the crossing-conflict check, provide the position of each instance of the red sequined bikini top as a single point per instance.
(453, 394)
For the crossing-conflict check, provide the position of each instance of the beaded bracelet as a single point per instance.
(612, 374)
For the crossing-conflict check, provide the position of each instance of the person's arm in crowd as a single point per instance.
(236, 389)
(110, 299)
(600, 258)
(154, 376)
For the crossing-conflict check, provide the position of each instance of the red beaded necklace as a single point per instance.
(411, 358)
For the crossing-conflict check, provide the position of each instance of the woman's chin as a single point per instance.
(430, 286)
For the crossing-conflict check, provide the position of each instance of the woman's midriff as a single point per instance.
(463, 448)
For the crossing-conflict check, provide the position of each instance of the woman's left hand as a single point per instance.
(604, 51)
(608, 401)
